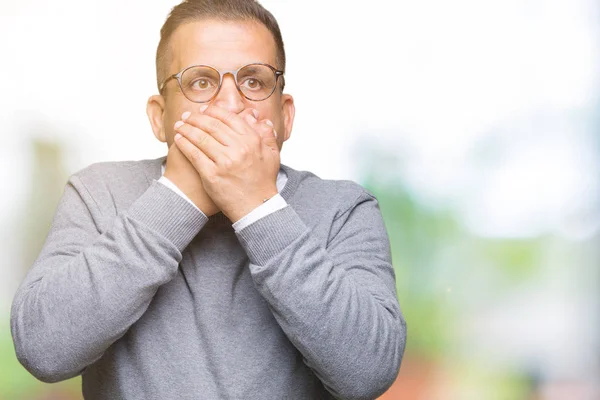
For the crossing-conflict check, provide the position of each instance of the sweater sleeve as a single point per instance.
(337, 302)
(87, 288)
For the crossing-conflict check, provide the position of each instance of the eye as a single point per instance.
(201, 84)
(252, 84)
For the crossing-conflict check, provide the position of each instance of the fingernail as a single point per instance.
(251, 119)
(185, 115)
(268, 122)
(178, 136)
(275, 132)
(178, 124)
(203, 108)
(255, 113)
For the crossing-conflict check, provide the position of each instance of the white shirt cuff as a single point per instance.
(275, 203)
(165, 181)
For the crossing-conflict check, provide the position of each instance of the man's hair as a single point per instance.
(222, 10)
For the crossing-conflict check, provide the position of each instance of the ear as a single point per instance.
(289, 112)
(155, 110)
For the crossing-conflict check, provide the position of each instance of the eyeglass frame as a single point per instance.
(222, 74)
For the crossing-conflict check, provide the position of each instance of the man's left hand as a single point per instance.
(236, 156)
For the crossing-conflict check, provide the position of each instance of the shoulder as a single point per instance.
(339, 194)
(116, 171)
(113, 186)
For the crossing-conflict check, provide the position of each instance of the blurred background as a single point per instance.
(475, 123)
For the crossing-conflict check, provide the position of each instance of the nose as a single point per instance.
(229, 97)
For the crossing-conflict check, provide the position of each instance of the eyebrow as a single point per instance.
(250, 70)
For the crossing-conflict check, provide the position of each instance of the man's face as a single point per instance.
(224, 46)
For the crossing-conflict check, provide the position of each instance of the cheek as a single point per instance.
(170, 116)
(173, 111)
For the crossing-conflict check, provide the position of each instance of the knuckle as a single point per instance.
(214, 125)
(195, 155)
(230, 117)
(243, 151)
(227, 162)
(235, 159)
(211, 179)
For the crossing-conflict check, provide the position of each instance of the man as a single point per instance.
(222, 273)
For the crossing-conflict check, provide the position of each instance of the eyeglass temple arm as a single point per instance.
(165, 82)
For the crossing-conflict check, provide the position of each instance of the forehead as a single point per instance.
(224, 45)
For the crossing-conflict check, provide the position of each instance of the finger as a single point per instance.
(201, 162)
(265, 128)
(217, 129)
(235, 121)
(250, 115)
(202, 140)
(269, 136)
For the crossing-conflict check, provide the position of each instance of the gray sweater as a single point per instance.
(147, 298)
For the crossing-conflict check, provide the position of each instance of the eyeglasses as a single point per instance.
(201, 83)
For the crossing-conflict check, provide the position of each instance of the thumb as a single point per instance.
(250, 115)
(249, 112)
(267, 132)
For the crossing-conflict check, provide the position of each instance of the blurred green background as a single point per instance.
(480, 139)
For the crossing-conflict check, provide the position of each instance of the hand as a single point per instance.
(236, 156)
(183, 175)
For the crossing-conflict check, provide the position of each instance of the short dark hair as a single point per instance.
(223, 10)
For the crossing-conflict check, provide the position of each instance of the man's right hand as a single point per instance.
(183, 175)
